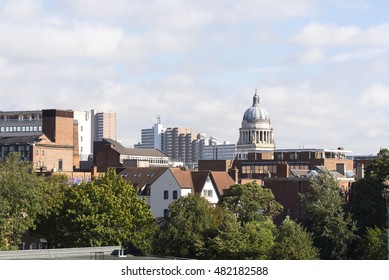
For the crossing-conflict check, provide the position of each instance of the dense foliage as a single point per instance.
(21, 200)
(103, 212)
(369, 202)
(250, 202)
(293, 242)
(333, 230)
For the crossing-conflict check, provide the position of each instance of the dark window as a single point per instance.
(166, 213)
(175, 194)
(165, 194)
(60, 164)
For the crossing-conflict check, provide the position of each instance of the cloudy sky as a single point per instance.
(321, 67)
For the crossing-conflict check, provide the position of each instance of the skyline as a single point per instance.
(320, 68)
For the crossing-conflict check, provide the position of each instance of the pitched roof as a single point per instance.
(183, 178)
(195, 180)
(222, 181)
(142, 177)
(134, 151)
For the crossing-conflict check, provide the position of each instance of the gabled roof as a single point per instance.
(134, 151)
(17, 140)
(222, 181)
(183, 178)
(142, 177)
(195, 180)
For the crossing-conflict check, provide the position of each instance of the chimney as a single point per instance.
(282, 169)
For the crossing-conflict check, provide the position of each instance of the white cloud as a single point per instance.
(312, 55)
(375, 97)
(326, 35)
(20, 9)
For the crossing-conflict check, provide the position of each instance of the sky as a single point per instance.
(321, 68)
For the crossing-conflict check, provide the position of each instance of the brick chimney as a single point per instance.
(282, 169)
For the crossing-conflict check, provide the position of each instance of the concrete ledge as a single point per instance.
(65, 253)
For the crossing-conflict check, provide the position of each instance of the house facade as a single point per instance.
(164, 185)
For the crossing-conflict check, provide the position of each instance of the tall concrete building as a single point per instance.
(84, 120)
(104, 125)
(174, 141)
(152, 138)
(182, 145)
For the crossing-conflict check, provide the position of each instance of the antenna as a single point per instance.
(158, 119)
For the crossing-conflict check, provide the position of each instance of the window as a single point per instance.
(37, 152)
(208, 193)
(2, 129)
(165, 213)
(82, 139)
(60, 164)
(43, 152)
(165, 194)
(40, 128)
(175, 194)
(82, 128)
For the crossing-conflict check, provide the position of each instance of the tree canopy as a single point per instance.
(333, 230)
(369, 196)
(191, 220)
(21, 200)
(250, 202)
(293, 242)
(103, 212)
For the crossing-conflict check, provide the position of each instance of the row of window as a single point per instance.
(259, 169)
(20, 128)
(166, 195)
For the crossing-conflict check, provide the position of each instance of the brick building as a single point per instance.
(109, 153)
(53, 149)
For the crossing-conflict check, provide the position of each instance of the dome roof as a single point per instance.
(255, 113)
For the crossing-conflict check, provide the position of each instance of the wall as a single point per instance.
(49, 155)
(157, 202)
(286, 192)
(208, 186)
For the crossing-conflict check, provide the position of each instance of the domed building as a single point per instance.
(256, 133)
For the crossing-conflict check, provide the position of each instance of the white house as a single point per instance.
(161, 185)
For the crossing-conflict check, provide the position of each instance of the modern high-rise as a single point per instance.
(104, 125)
(152, 138)
(84, 121)
(182, 145)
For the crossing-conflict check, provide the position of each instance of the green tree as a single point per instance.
(369, 203)
(236, 241)
(250, 202)
(56, 187)
(104, 212)
(373, 245)
(293, 242)
(333, 230)
(192, 220)
(21, 200)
